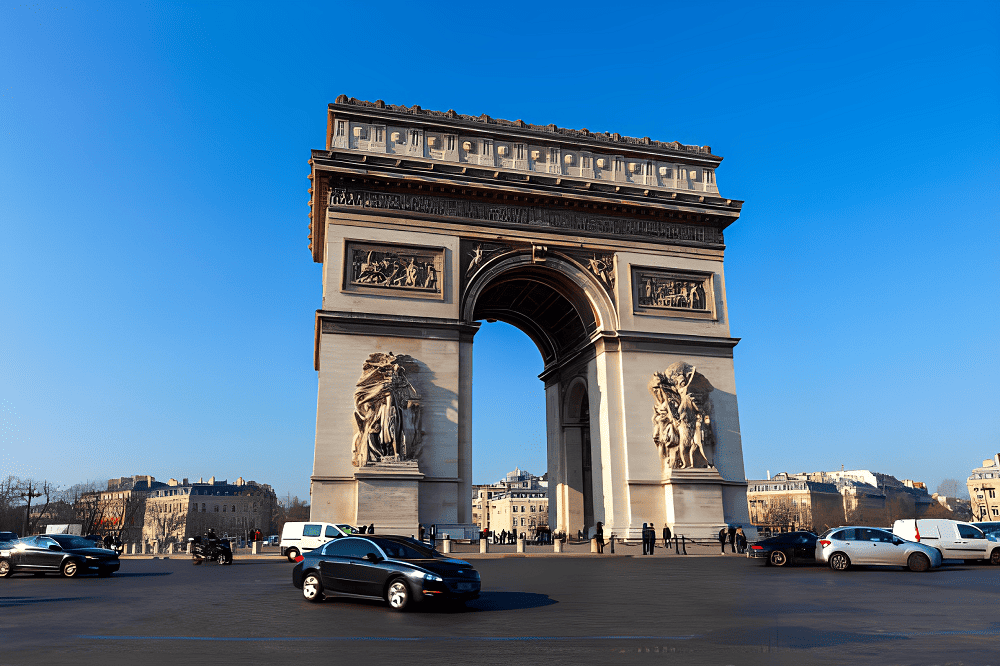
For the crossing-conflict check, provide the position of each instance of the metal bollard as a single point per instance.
(677, 545)
(255, 548)
(593, 545)
(484, 545)
(445, 543)
(684, 544)
(612, 544)
(557, 546)
(520, 545)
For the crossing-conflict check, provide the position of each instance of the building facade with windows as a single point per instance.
(786, 504)
(984, 491)
(179, 510)
(517, 503)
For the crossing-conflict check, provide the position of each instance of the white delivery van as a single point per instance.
(297, 538)
(956, 540)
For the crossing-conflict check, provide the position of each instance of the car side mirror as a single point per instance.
(373, 558)
(55, 548)
(898, 542)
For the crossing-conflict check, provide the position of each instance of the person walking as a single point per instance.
(599, 536)
(732, 538)
(741, 541)
(722, 540)
(666, 536)
(652, 538)
(645, 539)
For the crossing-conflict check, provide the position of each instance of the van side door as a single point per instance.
(972, 543)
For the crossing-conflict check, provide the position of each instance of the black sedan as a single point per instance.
(398, 569)
(57, 553)
(785, 549)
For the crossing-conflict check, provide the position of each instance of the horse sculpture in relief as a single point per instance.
(682, 420)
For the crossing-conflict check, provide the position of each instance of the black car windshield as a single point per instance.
(405, 550)
(73, 541)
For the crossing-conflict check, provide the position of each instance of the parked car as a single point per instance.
(65, 554)
(844, 547)
(298, 538)
(785, 549)
(400, 570)
(956, 540)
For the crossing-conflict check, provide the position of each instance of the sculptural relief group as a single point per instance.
(386, 412)
(392, 269)
(682, 420)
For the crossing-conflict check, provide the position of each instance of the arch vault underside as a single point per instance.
(619, 284)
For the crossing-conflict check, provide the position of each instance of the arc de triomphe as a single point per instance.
(606, 250)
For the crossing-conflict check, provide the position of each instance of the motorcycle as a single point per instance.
(211, 549)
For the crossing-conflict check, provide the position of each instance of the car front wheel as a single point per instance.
(778, 558)
(839, 562)
(5, 568)
(918, 562)
(70, 569)
(312, 588)
(398, 595)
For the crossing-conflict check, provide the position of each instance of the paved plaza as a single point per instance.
(705, 609)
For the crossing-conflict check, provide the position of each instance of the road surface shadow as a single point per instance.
(8, 602)
(497, 601)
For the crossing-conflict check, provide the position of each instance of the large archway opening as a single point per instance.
(550, 303)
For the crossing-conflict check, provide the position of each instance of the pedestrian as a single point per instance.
(421, 531)
(371, 529)
(741, 540)
(645, 539)
(722, 540)
(652, 538)
(599, 536)
(107, 541)
(666, 536)
(732, 538)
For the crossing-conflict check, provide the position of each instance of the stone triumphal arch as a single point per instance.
(607, 251)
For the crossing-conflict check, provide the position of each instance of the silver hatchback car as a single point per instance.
(843, 547)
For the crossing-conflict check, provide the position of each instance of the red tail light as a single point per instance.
(824, 543)
(299, 558)
(756, 547)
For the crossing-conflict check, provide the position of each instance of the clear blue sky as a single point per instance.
(157, 295)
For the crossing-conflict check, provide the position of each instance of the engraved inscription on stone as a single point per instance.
(524, 215)
(672, 291)
(393, 266)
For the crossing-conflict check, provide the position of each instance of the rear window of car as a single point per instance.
(844, 535)
(404, 551)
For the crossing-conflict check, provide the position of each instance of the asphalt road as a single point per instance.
(661, 610)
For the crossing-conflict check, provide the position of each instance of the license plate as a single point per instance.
(465, 587)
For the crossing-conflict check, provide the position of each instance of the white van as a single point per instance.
(956, 540)
(297, 538)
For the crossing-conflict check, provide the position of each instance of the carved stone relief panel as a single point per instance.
(407, 270)
(475, 254)
(682, 417)
(386, 411)
(673, 293)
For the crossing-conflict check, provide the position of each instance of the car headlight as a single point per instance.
(436, 579)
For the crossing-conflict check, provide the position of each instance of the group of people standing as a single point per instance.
(736, 538)
(649, 538)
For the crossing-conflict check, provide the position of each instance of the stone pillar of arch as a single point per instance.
(606, 251)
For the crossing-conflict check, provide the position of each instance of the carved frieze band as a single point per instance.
(673, 292)
(524, 215)
(399, 268)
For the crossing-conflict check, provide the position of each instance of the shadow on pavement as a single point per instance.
(141, 574)
(504, 601)
(8, 602)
